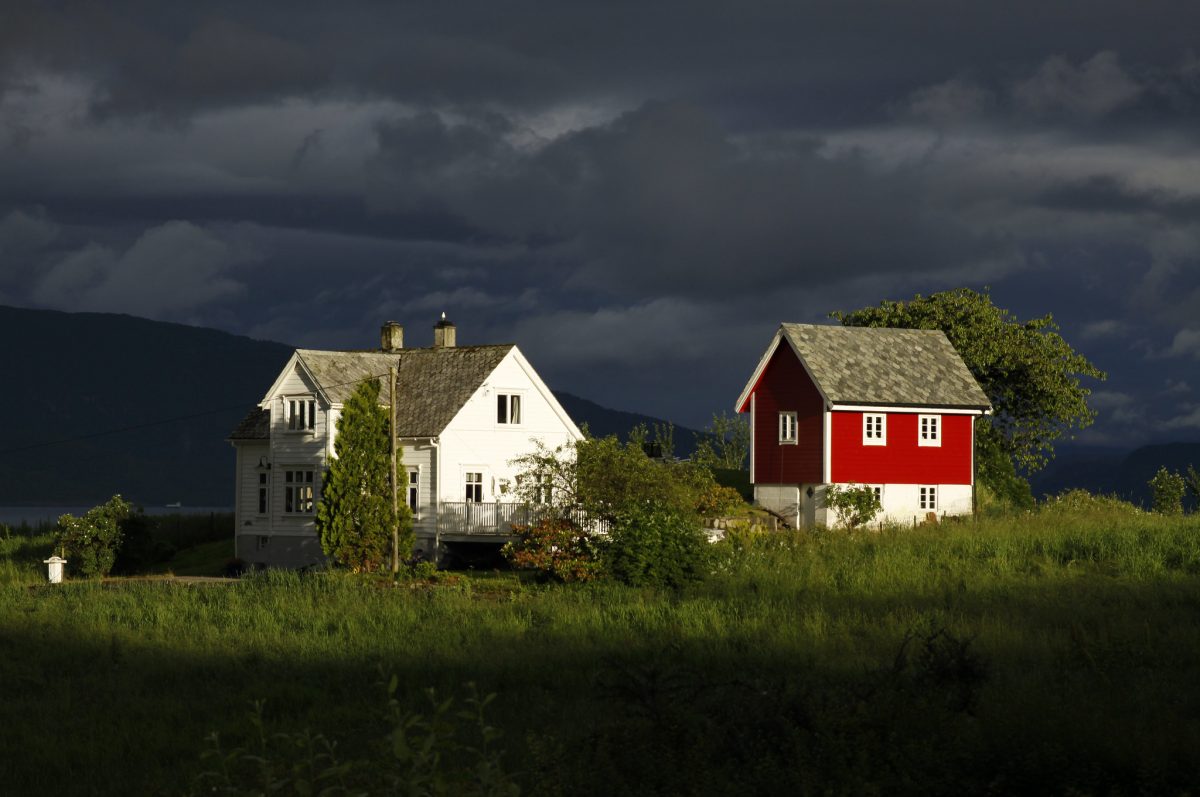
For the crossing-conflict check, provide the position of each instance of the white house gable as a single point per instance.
(496, 425)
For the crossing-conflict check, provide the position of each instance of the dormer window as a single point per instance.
(301, 414)
(508, 408)
(874, 429)
(930, 430)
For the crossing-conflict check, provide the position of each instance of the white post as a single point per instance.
(55, 569)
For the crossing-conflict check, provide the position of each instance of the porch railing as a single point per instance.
(468, 517)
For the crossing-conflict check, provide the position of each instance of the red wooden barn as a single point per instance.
(893, 409)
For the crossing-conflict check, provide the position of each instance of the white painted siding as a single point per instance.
(901, 502)
(422, 454)
(474, 442)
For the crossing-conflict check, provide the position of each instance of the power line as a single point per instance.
(151, 424)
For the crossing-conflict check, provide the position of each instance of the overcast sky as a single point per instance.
(636, 194)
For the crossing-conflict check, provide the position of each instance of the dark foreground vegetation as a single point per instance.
(1048, 653)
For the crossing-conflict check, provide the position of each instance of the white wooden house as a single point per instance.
(464, 413)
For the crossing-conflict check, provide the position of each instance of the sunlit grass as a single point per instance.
(787, 670)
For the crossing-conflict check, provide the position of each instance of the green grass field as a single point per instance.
(1052, 653)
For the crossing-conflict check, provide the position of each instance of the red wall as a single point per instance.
(784, 386)
(901, 461)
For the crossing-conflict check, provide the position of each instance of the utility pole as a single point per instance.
(395, 489)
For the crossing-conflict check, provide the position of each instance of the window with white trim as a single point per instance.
(543, 493)
(413, 495)
(508, 408)
(929, 430)
(474, 485)
(927, 497)
(878, 490)
(787, 427)
(262, 493)
(874, 429)
(301, 414)
(298, 492)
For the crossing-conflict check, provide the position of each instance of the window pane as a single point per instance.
(515, 409)
(501, 408)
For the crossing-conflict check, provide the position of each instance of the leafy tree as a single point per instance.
(726, 443)
(1029, 373)
(1167, 488)
(854, 506)
(651, 508)
(91, 543)
(1193, 483)
(354, 515)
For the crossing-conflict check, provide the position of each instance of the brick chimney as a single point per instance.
(443, 334)
(391, 337)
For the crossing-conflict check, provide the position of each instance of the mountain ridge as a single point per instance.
(103, 403)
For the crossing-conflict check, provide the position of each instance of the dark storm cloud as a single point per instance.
(664, 200)
(637, 193)
(845, 58)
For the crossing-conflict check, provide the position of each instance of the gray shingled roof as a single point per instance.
(255, 426)
(868, 365)
(433, 384)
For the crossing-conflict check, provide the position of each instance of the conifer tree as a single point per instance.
(354, 516)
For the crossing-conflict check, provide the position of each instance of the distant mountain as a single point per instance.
(1123, 473)
(602, 422)
(72, 380)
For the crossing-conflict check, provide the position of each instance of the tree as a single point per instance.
(1167, 489)
(91, 543)
(354, 515)
(726, 443)
(651, 508)
(853, 506)
(1029, 373)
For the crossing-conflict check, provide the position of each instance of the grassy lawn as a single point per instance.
(1053, 653)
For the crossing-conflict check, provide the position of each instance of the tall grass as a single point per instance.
(1051, 653)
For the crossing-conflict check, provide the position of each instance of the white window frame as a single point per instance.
(929, 430)
(264, 493)
(299, 494)
(878, 490)
(510, 406)
(874, 429)
(412, 489)
(787, 428)
(473, 486)
(927, 497)
(300, 414)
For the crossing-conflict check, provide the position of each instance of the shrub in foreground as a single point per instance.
(442, 752)
(91, 543)
(656, 545)
(1167, 489)
(557, 549)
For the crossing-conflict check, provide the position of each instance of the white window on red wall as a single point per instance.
(927, 497)
(874, 429)
(929, 430)
(787, 427)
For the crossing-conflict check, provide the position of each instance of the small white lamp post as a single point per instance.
(55, 568)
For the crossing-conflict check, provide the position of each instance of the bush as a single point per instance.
(449, 750)
(557, 549)
(855, 506)
(1081, 501)
(1167, 488)
(656, 545)
(91, 543)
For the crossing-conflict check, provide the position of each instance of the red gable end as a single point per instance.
(785, 387)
